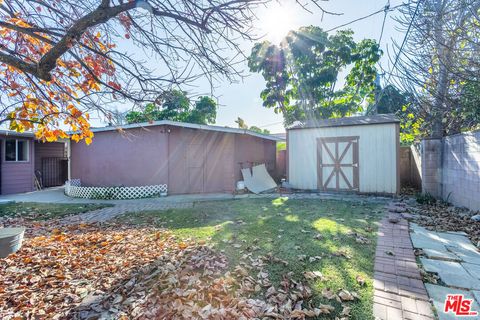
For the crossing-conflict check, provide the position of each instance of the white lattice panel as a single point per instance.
(74, 189)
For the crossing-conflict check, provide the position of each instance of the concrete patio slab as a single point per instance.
(470, 256)
(473, 269)
(451, 273)
(421, 241)
(476, 294)
(441, 255)
(439, 293)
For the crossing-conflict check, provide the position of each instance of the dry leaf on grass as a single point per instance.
(346, 311)
(312, 275)
(345, 295)
(328, 294)
(360, 280)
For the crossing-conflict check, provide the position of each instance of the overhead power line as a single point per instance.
(385, 10)
(368, 16)
(404, 41)
(399, 53)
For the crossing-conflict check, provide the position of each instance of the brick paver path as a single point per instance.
(102, 215)
(399, 292)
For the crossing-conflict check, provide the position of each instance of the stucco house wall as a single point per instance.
(48, 150)
(250, 151)
(188, 160)
(131, 158)
(16, 177)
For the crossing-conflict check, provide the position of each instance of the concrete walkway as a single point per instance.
(455, 260)
(56, 195)
(399, 292)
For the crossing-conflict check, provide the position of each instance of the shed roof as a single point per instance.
(27, 134)
(348, 121)
(159, 123)
(188, 125)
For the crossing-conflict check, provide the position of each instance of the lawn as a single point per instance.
(292, 240)
(45, 211)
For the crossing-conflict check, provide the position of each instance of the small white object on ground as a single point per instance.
(10, 240)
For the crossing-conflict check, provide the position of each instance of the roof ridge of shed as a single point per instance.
(347, 121)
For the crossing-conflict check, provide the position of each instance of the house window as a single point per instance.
(16, 150)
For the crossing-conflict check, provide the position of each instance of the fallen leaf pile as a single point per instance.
(57, 268)
(440, 217)
(121, 272)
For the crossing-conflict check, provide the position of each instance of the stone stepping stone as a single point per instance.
(452, 273)
(438, 294)
(10, 240)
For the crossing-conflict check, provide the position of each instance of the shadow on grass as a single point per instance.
(288, 230)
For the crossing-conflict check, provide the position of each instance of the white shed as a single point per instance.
(356, 154)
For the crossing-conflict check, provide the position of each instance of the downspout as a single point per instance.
(69, 160)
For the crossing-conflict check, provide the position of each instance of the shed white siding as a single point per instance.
(378, 156)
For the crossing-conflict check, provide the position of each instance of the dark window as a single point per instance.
(22, 150)
(10, 150)
(16, 150)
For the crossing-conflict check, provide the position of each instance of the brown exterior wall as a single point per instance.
(188, 160)
(48, 150)
(135, 157)
(200, 161)
(409, 171)
(250, 151)
(281, 164)
(16, 177)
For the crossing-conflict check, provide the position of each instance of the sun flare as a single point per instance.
(275, 23)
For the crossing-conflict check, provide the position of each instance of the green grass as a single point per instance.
(45, 211)
(286, 229)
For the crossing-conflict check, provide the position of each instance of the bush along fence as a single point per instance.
(451, 169)
(74, 188)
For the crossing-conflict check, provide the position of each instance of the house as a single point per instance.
(356, 154)
(22, 158)
(189, 158)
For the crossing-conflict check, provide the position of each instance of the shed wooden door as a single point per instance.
(195, 167)
(337, 163)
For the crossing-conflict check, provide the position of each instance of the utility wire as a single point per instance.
(386, 10)
(390, 73)
(367, 16)
(404, 40)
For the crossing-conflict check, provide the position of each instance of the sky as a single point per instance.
(242, 99)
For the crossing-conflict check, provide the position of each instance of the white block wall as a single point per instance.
(461, 170)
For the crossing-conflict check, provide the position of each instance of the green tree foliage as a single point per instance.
(391, 100)
(175, 105)
(302, 73)
(242, 125)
